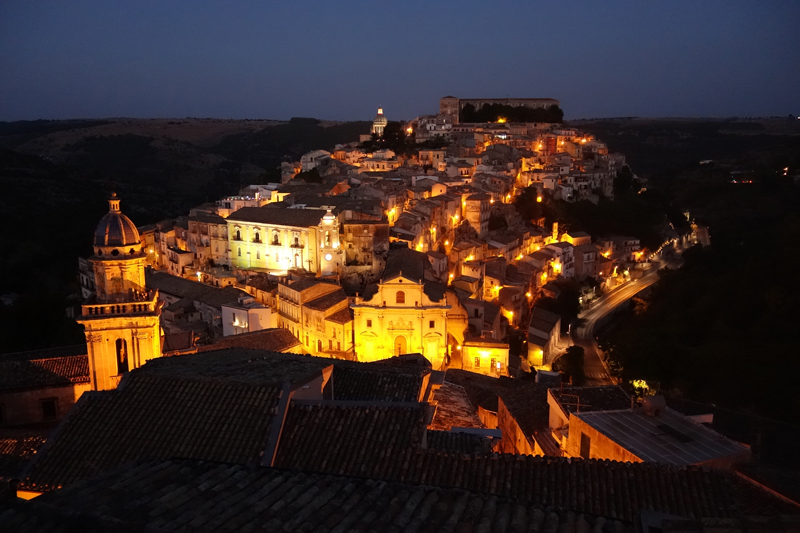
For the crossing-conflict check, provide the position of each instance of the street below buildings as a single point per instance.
(594, 368)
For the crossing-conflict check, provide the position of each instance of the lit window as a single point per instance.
(477, 362)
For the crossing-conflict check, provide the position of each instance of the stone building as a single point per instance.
(407, 312)
(278, 239)
(121, 320)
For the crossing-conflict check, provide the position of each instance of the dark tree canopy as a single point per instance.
(493, 112)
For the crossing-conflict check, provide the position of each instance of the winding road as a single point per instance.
(595, 370)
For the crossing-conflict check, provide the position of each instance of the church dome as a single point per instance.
(380, 118)
(115, 229)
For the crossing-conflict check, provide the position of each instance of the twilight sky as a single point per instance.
(340, 60)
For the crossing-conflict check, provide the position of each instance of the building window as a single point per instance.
(330, 344)
(477, 362)
(477, 313)
(49, 409)
(258, 254)
(275, 238)
(256, 237)
(400, 298)
(369, 323)
(432, 324)
(238, 235)
(122, 356)
(239, 252)
(586, 445)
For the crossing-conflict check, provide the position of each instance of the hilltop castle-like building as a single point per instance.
(122, 320)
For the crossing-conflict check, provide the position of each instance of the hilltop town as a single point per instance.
(391, 338)
(323, 253)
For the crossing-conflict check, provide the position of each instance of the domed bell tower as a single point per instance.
(121, 322)
(330, 248)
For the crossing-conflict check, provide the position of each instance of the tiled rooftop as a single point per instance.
(39, 373)
(601, 398)
(454, 409)
(17, 447)
(362, 440)
(272, 339)
(156, 416)
(382, 383)
(202, 496)
(668, 438)
(244, 365)
(327, 301)
(457, 442)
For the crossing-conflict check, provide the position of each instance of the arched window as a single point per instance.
(275, 238)
(256, 237)
(327, 238)
(297, 240)
(238, 235)
(239, 252)
(122, 356)
(400, 297)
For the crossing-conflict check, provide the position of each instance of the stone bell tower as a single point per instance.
(330, 251)
(121, 322)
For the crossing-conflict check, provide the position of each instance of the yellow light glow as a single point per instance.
(447, 243)
(471, 257)
(410, 131)
(557, 267)
(501, 120)
(451, 276)
(458, 347)
(583, 140)
(538, 198)
(528, 294)
(519, 257)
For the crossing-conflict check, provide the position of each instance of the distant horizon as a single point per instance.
(567, 120)
(718, 58)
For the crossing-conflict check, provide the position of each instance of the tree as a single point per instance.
(572, 363)
(497, 222)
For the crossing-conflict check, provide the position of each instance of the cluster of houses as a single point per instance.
(325, 260)
(334, 356)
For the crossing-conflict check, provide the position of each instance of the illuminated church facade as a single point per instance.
(121, 321)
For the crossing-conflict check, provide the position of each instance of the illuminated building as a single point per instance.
(484, 355)
(279, 239)
(407, 312)
(122, 320)
(379, 123)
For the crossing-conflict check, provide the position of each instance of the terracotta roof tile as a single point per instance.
(601, 398)
(38, 373)
(362, 440)
(453, 408)
(205, 496)
(272, 339)
(360, 382)
(327, 301)
(458, 442)
(152, 416)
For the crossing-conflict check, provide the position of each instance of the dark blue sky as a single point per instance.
(340, 60)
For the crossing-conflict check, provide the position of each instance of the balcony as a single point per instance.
(297, 245)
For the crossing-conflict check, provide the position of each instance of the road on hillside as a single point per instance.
(583, 335)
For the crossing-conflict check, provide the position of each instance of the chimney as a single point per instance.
(654, 405)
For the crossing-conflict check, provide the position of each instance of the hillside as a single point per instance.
(56, 176)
